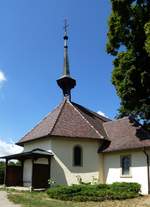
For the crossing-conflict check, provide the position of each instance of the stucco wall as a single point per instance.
(44, 143)
(27, 173)
(62, 169)
(112, 169)
(27, 170)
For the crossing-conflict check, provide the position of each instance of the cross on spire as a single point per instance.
(66, 25)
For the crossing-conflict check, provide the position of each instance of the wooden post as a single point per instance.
(22, 166)
(32, 174)
(5, 176)
(49, 166)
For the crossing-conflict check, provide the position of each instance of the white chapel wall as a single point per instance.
(112, 169)
(27, 173)
(43, 143)
(62, 169)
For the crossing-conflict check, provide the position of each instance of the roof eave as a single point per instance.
(125, 149)
(59, 136)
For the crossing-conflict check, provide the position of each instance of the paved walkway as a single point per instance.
(4, 202)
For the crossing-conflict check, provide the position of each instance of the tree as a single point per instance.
(129, 42)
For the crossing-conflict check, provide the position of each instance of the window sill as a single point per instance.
(125, 176)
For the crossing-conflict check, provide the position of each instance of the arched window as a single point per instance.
(125, 164)
(77, 156)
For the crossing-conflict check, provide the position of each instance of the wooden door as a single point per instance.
(40, 175)
(14, 176)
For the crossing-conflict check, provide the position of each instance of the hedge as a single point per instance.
(101, 192)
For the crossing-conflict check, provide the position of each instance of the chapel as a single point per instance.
(73, 144)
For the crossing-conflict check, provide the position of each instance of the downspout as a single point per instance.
(148, 173)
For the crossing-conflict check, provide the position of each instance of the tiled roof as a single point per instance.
(94, 118)
(68, 120)
(126, 134)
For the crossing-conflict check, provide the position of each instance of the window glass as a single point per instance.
(125, 165)
(77, 156)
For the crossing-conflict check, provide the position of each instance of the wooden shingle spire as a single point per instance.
(66, 82)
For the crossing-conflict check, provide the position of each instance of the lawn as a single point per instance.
(41, 199)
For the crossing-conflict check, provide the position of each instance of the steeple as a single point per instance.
(66, 59)
(66, 82)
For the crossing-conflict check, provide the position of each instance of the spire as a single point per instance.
(66, 82)
(66, 59)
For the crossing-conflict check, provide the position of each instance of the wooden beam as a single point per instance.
(5, 176)
(22, 167)
(32, 174)
(49, 166)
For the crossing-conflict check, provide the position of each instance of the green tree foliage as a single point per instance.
(147, 42)
(129, 42)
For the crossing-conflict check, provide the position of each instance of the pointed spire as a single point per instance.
(66, 83)
(66, 58)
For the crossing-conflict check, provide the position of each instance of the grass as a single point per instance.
(40, 199)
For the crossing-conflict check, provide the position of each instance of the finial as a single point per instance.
(66, 25)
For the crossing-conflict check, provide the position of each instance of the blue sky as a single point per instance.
(31, 59)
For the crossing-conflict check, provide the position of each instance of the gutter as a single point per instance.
(148, 172)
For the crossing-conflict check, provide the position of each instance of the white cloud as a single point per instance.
(102, 113)
(8, 149)
(2, 77)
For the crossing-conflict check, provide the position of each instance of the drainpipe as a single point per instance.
(148, 173)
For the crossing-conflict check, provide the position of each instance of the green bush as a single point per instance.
(116, 191)
(129, 187)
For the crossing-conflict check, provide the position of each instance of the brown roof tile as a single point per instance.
(93, 118)
(68, 120)
(125, 134)
(44, 127)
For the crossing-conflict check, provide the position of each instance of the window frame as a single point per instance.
(129, 175)
(73, 160)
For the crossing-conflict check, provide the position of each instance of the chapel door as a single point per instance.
(40, 176)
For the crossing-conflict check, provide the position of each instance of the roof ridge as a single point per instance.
(40, 122)
(115, 120)
(105, 129)
(86, 120)
(64, 101)
(93, 112)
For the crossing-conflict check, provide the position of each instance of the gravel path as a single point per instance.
(4, 202)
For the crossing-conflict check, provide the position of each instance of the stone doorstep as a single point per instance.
(19, 188)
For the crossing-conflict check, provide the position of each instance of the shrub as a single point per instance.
(116, 191)
(129, 187)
